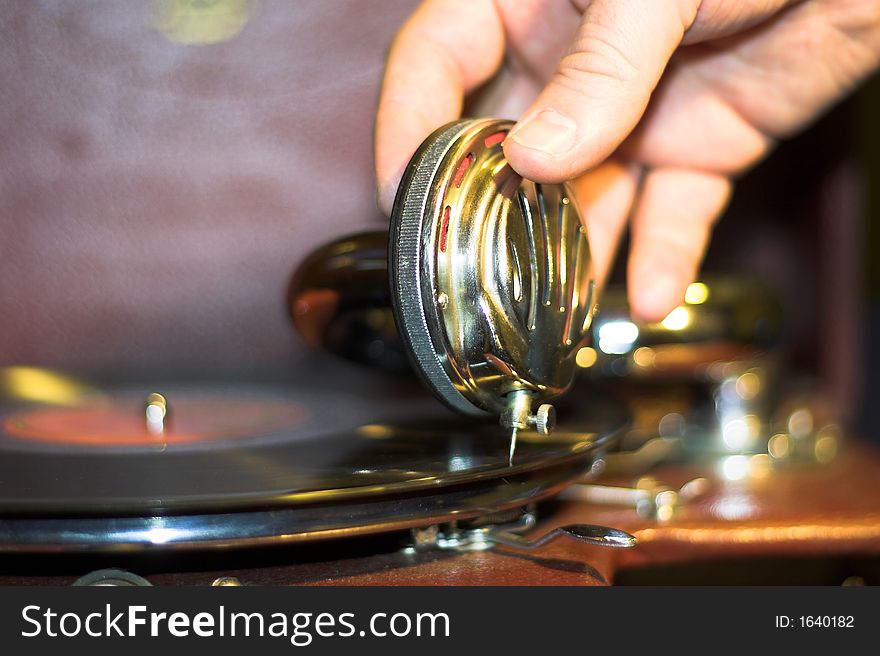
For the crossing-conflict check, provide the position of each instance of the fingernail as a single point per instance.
(548, 131)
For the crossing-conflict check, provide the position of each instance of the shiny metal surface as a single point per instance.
(704, 383)
(339, 301)
(491, 275)
(648, 497)
(112, 578)
(454, 537)
(600, 536)
(723, 319)
(226, 582)
(306, 519)
(156, 414)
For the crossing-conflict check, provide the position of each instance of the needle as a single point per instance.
(512, 445)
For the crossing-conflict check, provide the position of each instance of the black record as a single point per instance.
(246, 465)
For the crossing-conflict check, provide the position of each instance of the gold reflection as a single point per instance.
(779, 446)
(646, 483)
(678, 319)
(225, 582)
(644, 356)
(825, 449)
(666, 503)
(864, 528)
(759, 466)
(748, 386)
(800, 423)
(376, 431)
(156, 414)
(696, 293)
(753, 427)
(586, 357)
(37, 385)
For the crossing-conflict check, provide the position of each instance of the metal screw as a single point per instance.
(156, 414)
(112, 578)
(545, 419)
(225, 581)
(518, 413)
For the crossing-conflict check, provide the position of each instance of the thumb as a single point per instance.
(600, 89)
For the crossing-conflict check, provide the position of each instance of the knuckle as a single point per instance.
(597, 55)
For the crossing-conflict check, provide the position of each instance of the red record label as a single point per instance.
(122, 422)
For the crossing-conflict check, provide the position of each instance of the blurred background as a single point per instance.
(165, 165)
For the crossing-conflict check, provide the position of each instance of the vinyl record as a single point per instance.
(244, 465)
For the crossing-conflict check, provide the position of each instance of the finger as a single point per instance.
(766, 78)
(670, 229)
(722, 109)
(447, 48)
(690, 125)
(600, 89)
(719, 18)
(605, 197)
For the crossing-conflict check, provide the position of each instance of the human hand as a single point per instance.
(650, 107)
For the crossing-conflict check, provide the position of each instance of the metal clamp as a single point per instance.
(454, 538)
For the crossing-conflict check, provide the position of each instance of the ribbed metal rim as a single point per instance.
(405, 256)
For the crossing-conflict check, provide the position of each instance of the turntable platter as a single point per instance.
(262, 465)
(120, 421)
